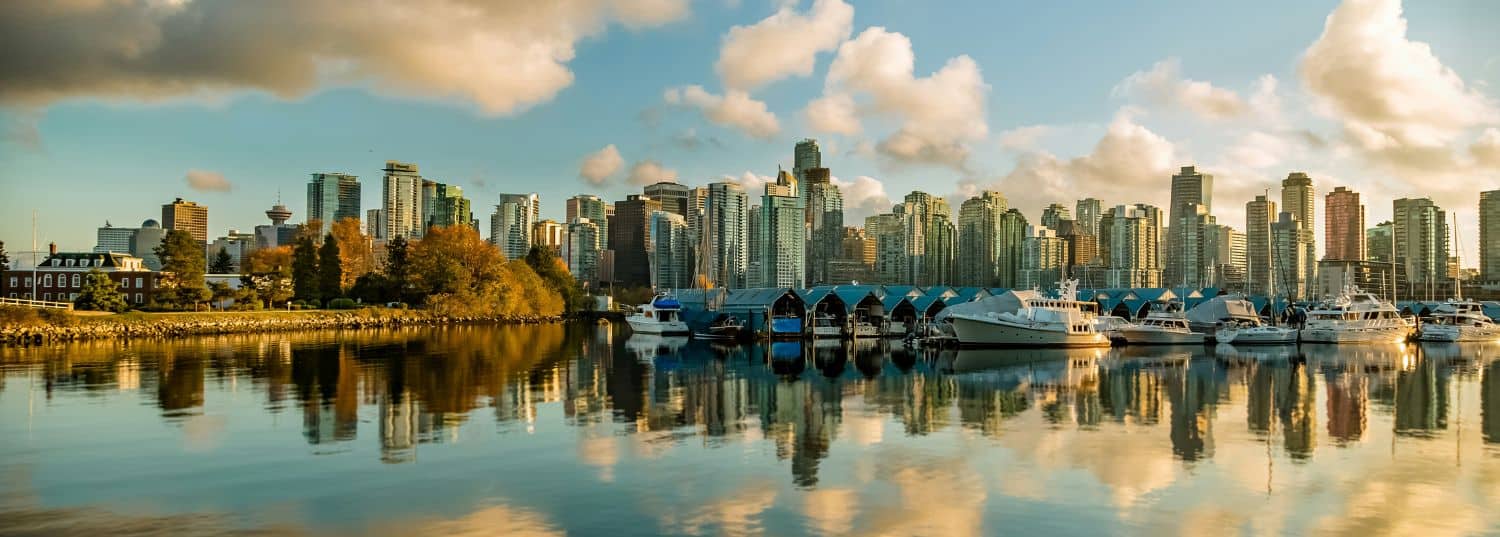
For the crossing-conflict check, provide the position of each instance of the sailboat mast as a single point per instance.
(1458, 279)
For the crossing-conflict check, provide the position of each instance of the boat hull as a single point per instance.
(1386, 334)
(1136, 336)
(1452, 334)
(1257, 337)
(649, 326)
(987, 333)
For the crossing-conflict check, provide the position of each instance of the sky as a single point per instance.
(111, 108)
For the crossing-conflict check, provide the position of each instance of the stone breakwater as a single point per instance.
(165, 326)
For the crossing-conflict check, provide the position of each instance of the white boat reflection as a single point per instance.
(1258, 353)
(1061, 368)
(647, 347)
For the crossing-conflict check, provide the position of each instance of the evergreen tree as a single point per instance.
(330, 269)
(183, 261)
(220, 292)
(223, 263)
(4, 266)
(305, 269)
(398, 269)
(99, 293)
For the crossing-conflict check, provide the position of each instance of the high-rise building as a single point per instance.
(1297, 198)
(1130, 241)
(673, 197)
(581, 251)
(144, 241)
(1259, 215)
(1083, 247)
(278, 233)
(374, 223)
(1289, 259)
(629, 228)
(1379, 244)
(782, 235)
(1489, 236)
(1343, 226)
(1225, 249)
(550, 234)
(892, 265)
(186, 216)
(856, 259)
(825, 225)
(114, 239)
(1087, 212)
(401, 202)
(978, 256)
(332, 197)
(237, 245)
(595, 210)
(1420, 236)
(805, 156)
(510, 225)
(670, 266)
(1192, 199)
(1054, 214)
(930, 238)
(445, 205)
(726, 248)
(1044, 257)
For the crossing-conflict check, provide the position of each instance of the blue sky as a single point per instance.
(1059, 114)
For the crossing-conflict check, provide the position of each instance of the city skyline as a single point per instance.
(1027, 135)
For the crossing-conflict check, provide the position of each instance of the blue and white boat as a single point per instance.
(662, 316)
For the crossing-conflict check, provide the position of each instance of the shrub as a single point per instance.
(342, 304)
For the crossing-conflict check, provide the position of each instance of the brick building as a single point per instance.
(60, 277)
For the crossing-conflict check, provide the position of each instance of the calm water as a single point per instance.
(584, 430)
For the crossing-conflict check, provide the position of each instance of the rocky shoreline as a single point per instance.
(168, 326)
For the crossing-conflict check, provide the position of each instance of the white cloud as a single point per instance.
(1024, 138)
(501, 56)
(1164, 85)
(939, 114)
(1486, 150)
(207, 181)
(785, 44)
(835, 114)
(1396, 100)
(863, 196)
(599, 165)
(648, 171)
(753, 183)
(733, 109)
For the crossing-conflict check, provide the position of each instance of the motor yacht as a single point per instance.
(1459, 320)
(1355, 317)
(1028, 319)
(1165, 324)
(1254, 334)
(661, 316)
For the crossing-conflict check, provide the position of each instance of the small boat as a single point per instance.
(1255, 334)
(1459, 320)
(662, 316)
(826, 325)
(1164, 325)
(865, 329)
(1030, 319)
(724, 328)
(1355, 317)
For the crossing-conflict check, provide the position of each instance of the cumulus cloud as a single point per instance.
(863, 196)
(785, 44)
(1164, 85)
(649, 171)
(1486, 150)
(753, 183)
(207, 181)
(1396, 100)
(733, 109)
(1024, 138)
(599, 165)
(500, 56)
(939, 114)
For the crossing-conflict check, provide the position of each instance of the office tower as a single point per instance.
(1224, 248)
(510, 225)
(930, 238)
(1420, 236)
(670, 266)
(401, 202)
(1190, 265)
(549, 234)
(1489, 236)
(1379, 246)
(581, 251)
(144, 241)
(806, 156)
(1088, 211)
(1259, 215)
(889, 233)
(1289, 259)
(186, 216)
(754, 243)
(595, 210)
(445, 205)
(236, 244)
(1054, 214)
(1343, 226)
(374, 223)
(726, 248)
(629, 228)
(673, 197)
(782, 235)
(1192, 197)
(856, 259)
(1297, 198)
(332, 197)
(113, 239)
(825, 225)
(1130, 241)
(978, 253)
(1083, 248)
(697, 204)
(1044, 257)
(278, 233)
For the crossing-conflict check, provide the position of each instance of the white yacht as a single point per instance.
(1026, 318)
(662, 316)
(1164, 325)
(825, 325)
(1255, 334)
(1459, 320)
(1355, 317)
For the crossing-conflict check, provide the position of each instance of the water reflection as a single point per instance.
(857, 436)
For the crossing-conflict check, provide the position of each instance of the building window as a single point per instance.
(138, 299)
(139, 283)
(76, 281)
(46, 296)
(47, 280)
(13, 282)
(124, 283)
(28, 281)
(72, 297)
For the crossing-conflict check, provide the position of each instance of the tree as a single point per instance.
(305, 269)
(100, 293)
(219, 292)
(554, 271)
(356, 257)
(223, 263)
(330, 269)
(183, 264)
(398, 269)
(4, 266)
(268, 275)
